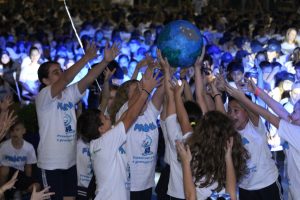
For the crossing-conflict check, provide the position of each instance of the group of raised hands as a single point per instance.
(43, 194)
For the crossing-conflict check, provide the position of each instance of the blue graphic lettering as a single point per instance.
(145, 127)
(65, 106)
(67, 123)
(15, 158)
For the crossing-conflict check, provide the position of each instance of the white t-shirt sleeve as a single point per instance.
(31, 157)
(290, 133)
(73, 93)
(173, 130)
(44, 98)
(111, 140)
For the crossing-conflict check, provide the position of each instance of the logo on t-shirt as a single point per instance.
(144, 127)
(67, 123)
(245, 141)
(122, 149)
(147, 145)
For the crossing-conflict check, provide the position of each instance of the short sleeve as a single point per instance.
(111, 140)
(173, 130)
(44, 98)
(31, 157)
(290, 133)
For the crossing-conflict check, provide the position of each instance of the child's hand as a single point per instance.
(228, 148)
(6, 121)
(111, 53)
(108, 74)
(91, 50)
(44, 194)
(10, 184)
(184, 152)
(150, 82)
(177, 87)
(234, 92)
(164, 63)
(251, 86)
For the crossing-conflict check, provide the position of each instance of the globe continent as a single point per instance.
(181, 42)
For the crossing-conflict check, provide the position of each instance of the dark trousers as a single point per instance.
(141, 195)
(273, 192)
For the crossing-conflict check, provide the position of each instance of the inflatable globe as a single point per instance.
(181, 42)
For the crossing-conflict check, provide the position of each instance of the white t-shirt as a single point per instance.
(167, 142)
(262, 170)
(57, 128)
(142, 143)
(16, 158)
(108, 154)
(291, 134)
(175, 186)
(204, 193)
(287, 48)
(83, 164)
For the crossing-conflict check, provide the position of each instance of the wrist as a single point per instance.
(146, 91)
(215, 95)
(257, 91)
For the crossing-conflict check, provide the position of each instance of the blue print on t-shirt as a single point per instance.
(86, 151)
(285, 145)
(15, 158)
(245, 141)
(65, 106)
(145, 127)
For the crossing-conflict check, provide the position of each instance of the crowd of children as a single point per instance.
(101, 128)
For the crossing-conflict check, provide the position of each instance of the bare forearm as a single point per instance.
(188, 184)
(230, 178)
(182, 115)
(105, 96)
(70, 73)
(187, 92)
(274, 105)
(134, 110)
(200, 92)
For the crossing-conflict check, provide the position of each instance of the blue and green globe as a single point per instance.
(181, 42)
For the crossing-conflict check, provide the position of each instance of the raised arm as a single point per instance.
(105, 92)
(109, 55)
(70, 73)
(148, 84)
(217, 97)
(230, 173)
(170, 109)
(252, 106)
(187, 92)
(199, 84)
(274, 105)
(182, 114)
(188, 184)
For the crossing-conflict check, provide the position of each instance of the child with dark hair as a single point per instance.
(288, 129)
(17, 154)
(108, 146)
(262, 180)
(87, 124)
(55, 105)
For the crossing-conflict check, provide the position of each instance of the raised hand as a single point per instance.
(112, 52)
(10, 184)
(150, 82)
(184, 152)
(91, 50)
(228, 148)
(7, 119)
(251, 86)
(108, 74)
(43, 194)
(5, 103)
(177, 87)
(236, 93)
